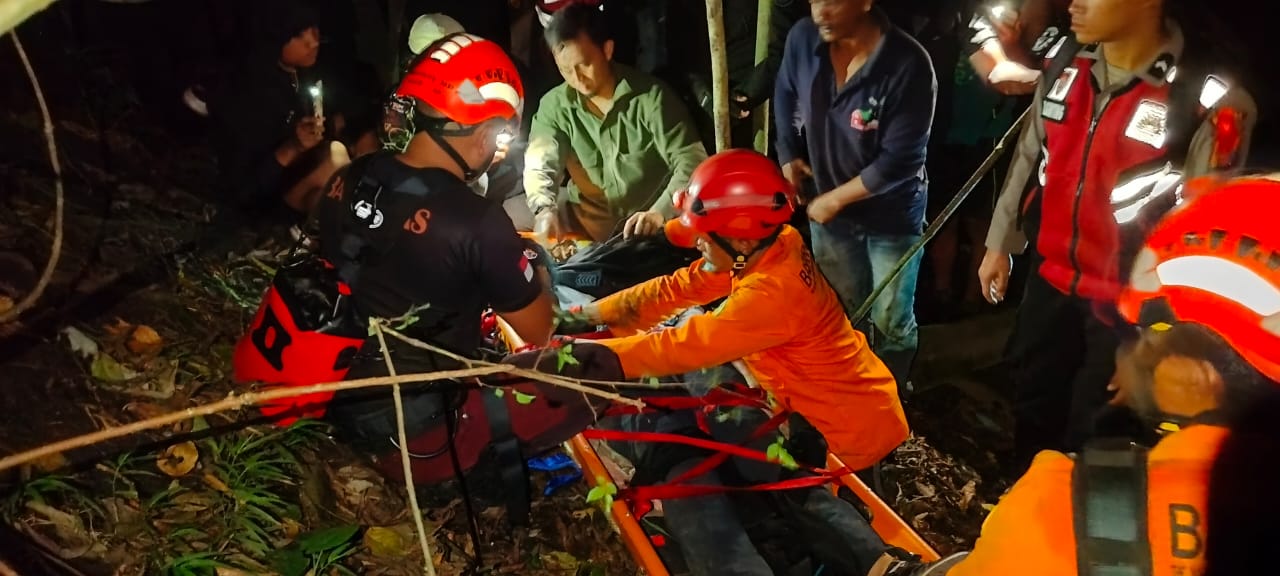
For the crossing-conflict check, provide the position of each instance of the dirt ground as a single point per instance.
(137, 323)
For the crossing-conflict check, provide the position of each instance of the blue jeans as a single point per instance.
(854, 262)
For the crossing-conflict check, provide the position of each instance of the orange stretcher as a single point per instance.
(887, 523)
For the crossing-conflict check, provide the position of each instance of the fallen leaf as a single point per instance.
(80, 343)
(967, 493)
(51, 462)
(6, 304)
(145, 341)
(107, 369)
(289, 526)
(118, 330)
(925, 490)
(179, 459)
(125, 518)
(384, 542)
(216, 483)
(229, 571)
(145, 410)
(558, 560)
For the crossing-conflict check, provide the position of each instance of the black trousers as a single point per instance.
(1063, 358)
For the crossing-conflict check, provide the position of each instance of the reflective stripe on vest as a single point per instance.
(1136, 192)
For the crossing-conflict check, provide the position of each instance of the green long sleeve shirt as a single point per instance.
(635, 157)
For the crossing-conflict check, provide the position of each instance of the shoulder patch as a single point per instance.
(1062, 84)
(1047, 38)
(1213, 90)
(1148, 124)
(1053, 52)
(1051, 110)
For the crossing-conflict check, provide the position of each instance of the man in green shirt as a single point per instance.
(625, 140)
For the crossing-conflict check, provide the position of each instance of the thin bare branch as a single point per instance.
(552, 379)
(233, 402)
(428, 561)
(55, 253)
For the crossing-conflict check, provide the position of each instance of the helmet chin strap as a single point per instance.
(469, 174)
(740, 258)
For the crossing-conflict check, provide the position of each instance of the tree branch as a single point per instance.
(56, 251)
(561, 381)
(428, 562)
(233, 402)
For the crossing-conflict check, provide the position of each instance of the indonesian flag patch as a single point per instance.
(526, 267)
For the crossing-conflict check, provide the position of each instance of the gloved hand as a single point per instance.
(575, 320)
(741, 105)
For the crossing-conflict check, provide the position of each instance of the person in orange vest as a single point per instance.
(1204, 301)
(787, 326)
(780, 317)
(1126, 100)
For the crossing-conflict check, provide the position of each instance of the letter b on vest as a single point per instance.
(1184, 528)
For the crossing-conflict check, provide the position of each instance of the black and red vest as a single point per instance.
(1085, 155)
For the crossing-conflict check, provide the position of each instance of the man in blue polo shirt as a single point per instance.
(854, 102)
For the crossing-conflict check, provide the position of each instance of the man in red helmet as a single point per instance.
(809, 358)
(1205, 299)
(814, 363)
(408, 235)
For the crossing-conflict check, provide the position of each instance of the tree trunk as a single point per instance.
(719, 73)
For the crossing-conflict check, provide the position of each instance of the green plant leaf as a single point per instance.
(653, 382)
(564, 357)
(522, 398)
(290, 561)
(499, 392)
(327, 539)
(107, 369)
(603, 492)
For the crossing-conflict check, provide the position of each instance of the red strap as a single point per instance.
(668, 491)
(715, 460)
(721, 396)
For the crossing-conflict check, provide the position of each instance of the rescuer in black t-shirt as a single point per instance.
(416, 240)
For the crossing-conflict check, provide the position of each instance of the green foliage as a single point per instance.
(602, 493)
(193, 564)
(778, 453)
(564, 357)
(318, 552)
(229, 512)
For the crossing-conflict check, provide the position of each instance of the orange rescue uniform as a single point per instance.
(1031, 530)
(787, 325)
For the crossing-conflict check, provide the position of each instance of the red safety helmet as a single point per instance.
(467, 78)
(1215, 260)
(734, 194)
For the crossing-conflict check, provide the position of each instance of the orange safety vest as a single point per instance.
(787, 325)
(1032, 531)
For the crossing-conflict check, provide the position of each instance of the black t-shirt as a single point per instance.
(432, 243)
